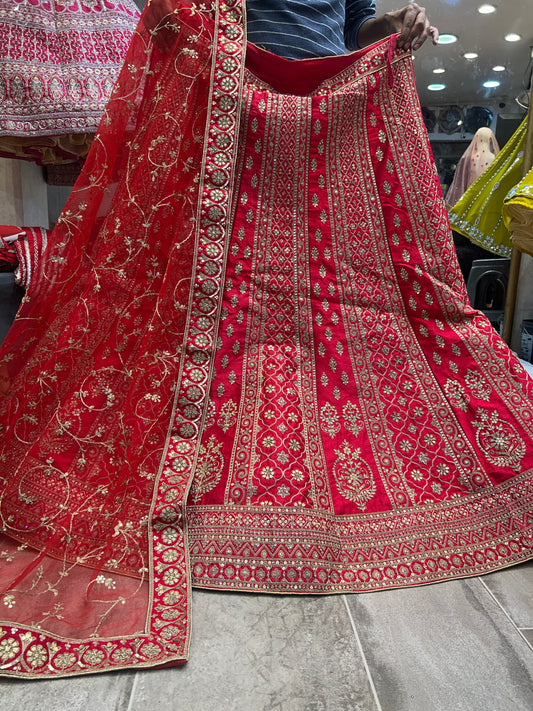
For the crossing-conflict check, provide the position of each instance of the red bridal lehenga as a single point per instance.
(249, 362)
(58, 64)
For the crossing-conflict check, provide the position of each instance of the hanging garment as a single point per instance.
(518, 214)
(478, 214)
(21, 249)
(482, 150)
(248, 362)
(58, 64)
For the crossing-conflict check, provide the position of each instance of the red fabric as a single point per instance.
(8, 253)
(91, 365)
(58, 65)
(22, 249)
(366, 428)
(247, 361)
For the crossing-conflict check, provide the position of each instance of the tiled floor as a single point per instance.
(458, 646)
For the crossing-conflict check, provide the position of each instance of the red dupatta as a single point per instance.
(107, 351)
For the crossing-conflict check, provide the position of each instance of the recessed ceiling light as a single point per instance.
(486, 9)
(498, 68)
(447, 39)
(513, 37)
(436, 87)
(439, 70)
(470, 55)
(491, 84)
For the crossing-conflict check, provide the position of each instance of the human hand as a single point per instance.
(413, 25)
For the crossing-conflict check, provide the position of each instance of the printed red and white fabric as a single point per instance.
(58, 65)
(253, 364)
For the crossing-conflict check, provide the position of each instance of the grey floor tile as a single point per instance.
(99, 692)
(513, 588)
(263, 653)
(528, 634)
(445, 647)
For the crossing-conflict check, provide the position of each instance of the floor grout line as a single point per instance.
(502, 608)
(361, 651)
(133, 690)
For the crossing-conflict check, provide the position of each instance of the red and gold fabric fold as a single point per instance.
(249, 361)
(21, 249)
(367, 428)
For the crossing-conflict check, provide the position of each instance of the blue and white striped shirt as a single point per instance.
(303, 29)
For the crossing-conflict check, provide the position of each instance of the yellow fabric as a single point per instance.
(478, 214)
(518, 214)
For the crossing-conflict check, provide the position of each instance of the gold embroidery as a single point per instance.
(209, 468)
(329, 420)
(499, 440)
(353, 476)
(456, 394)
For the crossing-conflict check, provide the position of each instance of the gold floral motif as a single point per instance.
(475, 382)
(9, 648)
(122, 655)
(36, 656)
(498, 440)
(352, 418)
(228, 415)
(456, 394)
(209, 468)
(329, 420)
(353, 476)
(65, 660)
(93, 657)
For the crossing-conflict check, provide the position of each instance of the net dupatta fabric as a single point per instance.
(113, 341)
(476, 159)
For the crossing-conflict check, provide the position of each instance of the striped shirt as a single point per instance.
(303, 29)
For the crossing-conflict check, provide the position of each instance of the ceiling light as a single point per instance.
(486, 9)
(470, 55)
(436, 87)
(447, 39)
(439, 70)
(498, 68)
(491, 84)
(513, 37)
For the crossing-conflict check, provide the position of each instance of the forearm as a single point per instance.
(374, 29)
(411, 22)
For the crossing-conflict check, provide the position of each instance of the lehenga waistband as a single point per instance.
(301, 77)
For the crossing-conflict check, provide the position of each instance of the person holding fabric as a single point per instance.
(249, 362)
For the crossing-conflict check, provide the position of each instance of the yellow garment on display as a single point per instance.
(478, 214)
(518, 214)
